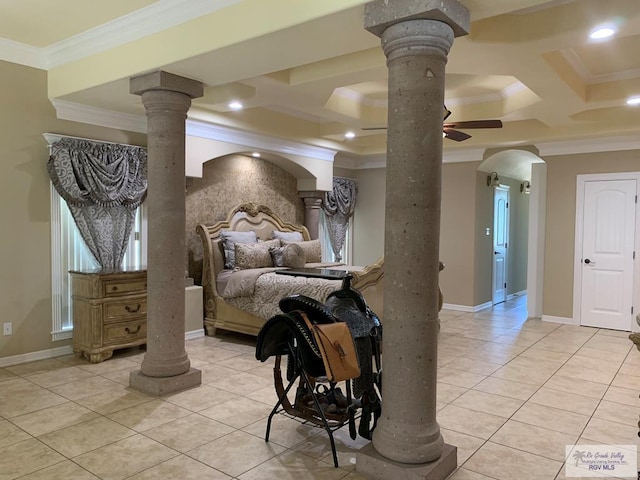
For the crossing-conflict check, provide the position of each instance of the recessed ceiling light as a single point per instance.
(349, 134)
(602, 33)
(255, 154)
(235, 105)
(633, 101)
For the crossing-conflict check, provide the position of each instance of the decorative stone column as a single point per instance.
(312, 205)
(166, 366)
(416, 38)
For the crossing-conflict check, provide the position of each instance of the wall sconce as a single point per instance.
(525, 187)
(493, 180)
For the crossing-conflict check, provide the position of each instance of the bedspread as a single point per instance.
(271, 287)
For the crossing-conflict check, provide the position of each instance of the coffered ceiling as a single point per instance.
(307, 71)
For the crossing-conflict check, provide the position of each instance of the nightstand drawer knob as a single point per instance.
(133, 332)
(135, 309)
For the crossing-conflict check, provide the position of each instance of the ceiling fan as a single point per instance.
(449, 130)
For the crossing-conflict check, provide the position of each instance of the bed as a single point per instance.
(243, 298)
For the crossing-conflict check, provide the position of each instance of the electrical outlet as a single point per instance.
(7, 328)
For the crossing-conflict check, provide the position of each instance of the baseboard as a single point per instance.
(466, 308)
(67, 350)
(563, 320)
(194, 334)
(482, 306)
(517, 294)
(33, 356)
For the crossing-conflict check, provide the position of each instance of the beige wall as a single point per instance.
(458, 224)
(483, 247)
(368, 219)
(232, 180)
(562, 172)
(25, 249)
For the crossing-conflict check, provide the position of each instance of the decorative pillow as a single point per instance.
(254, 255)
(288, 236)
(229, 239)
(312, 250)
(290, 255)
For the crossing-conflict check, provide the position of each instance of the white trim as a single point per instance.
(58, 335)
(506, 92)
(154, 18)
(77, 112)
(22, 54)
(457, 308)
(466, 308)
(563, 320)
(198, 128)
(33, 356)
(194, 334)
(482, 306)
(574, 60)
(589, 145)
(521, 293)
(536, 239)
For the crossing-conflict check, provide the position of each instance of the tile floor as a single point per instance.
(511, 394)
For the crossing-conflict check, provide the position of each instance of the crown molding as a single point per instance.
(589, 145)
(102, 117)
(77, 112)
(575, 62)
(137, 123)
(198, 128)
(154, 18)
(16, 52)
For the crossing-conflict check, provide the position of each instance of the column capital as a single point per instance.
(161, 80)
(312, 194)
(381, 14)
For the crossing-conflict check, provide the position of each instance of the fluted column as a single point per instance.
(416, 38)
(312, 204)
(166, 366)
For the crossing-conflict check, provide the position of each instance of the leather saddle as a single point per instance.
(279, 332)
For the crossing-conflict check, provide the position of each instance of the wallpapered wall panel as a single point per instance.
(231, 180)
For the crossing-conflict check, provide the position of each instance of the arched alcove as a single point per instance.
(228, 181)
(513, 167)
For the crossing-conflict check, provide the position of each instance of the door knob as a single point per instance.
(587, 261)
(496, 253)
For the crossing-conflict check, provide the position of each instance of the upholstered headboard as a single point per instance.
(243, 218)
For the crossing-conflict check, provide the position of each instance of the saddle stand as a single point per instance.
(312, 366)
(307, 406)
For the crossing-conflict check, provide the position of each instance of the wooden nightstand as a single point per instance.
(109, 312)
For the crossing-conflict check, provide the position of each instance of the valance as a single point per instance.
(338, 206)
(103, 185)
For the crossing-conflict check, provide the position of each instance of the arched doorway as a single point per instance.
(518, 236)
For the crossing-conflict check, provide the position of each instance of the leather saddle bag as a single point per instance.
(337, 349)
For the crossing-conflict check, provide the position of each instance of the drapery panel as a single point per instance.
(338, 206)
(103, 185)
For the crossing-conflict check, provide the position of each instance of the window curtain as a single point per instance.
(338, 206)
(103, 185)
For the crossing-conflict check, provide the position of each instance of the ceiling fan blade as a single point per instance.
(455, 135)
(374, 128)
(475, 124)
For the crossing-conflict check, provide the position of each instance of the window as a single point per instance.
(325, 242)
(69, 252)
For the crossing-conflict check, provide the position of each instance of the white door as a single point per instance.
(500, 243)
(607, 254)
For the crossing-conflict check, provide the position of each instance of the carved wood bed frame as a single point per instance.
(260, 218)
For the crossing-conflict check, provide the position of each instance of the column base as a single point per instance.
(162, 385)
(373, 465)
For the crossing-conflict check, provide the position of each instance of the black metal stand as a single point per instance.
(315, 416)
